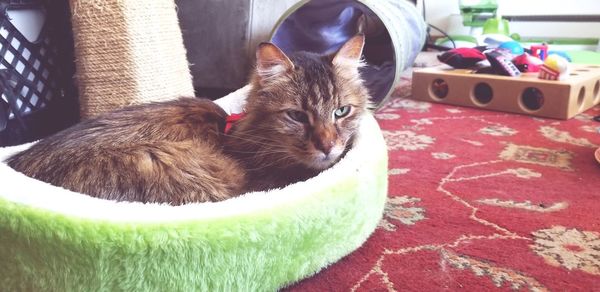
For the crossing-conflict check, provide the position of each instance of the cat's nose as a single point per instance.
(324, 138)
(324, 145)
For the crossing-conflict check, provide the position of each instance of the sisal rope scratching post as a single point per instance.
(128, 52)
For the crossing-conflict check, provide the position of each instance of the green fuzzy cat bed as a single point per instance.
(53, 239)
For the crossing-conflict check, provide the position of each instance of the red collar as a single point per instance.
(231, 119)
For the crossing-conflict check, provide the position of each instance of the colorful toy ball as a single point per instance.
(527, 63)
(562, 54)
(555, 67)
(462, 58)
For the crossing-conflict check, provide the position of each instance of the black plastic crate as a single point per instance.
(36, 78)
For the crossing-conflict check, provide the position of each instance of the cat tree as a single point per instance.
(52, 239)
(128, 52)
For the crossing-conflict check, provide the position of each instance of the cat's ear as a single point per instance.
(350, 52)
(271, 61)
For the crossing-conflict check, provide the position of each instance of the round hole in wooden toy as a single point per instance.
(482, 93)
(439, 89)
(532, 99)
(581, 98)
(596, 91)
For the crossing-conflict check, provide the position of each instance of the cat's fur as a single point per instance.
(176, 152)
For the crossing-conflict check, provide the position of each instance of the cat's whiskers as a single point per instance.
(270, 151)
(272, 162)
(248, 138)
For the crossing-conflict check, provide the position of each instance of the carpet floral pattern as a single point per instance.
(480, 200)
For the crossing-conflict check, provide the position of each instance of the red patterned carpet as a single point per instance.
(478, 201)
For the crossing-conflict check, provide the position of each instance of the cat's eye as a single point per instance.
(342, 112)
(298, 116)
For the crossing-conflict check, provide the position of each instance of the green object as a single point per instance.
(496, 26)
(585, 57)
(476, 12)
(55, 240)
(562, 41)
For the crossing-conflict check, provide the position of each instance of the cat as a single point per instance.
(301, 116)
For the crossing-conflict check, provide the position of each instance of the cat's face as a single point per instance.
(307, 106)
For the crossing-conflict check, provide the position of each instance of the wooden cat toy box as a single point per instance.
(526, 94)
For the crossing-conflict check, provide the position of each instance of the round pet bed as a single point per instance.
(58, 240)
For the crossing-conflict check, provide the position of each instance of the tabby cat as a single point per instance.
(300, 117)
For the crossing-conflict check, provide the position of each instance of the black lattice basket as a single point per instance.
(38, 97)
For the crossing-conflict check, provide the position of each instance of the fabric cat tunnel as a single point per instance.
(128, 52)
(53, 239)
(394, 29)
